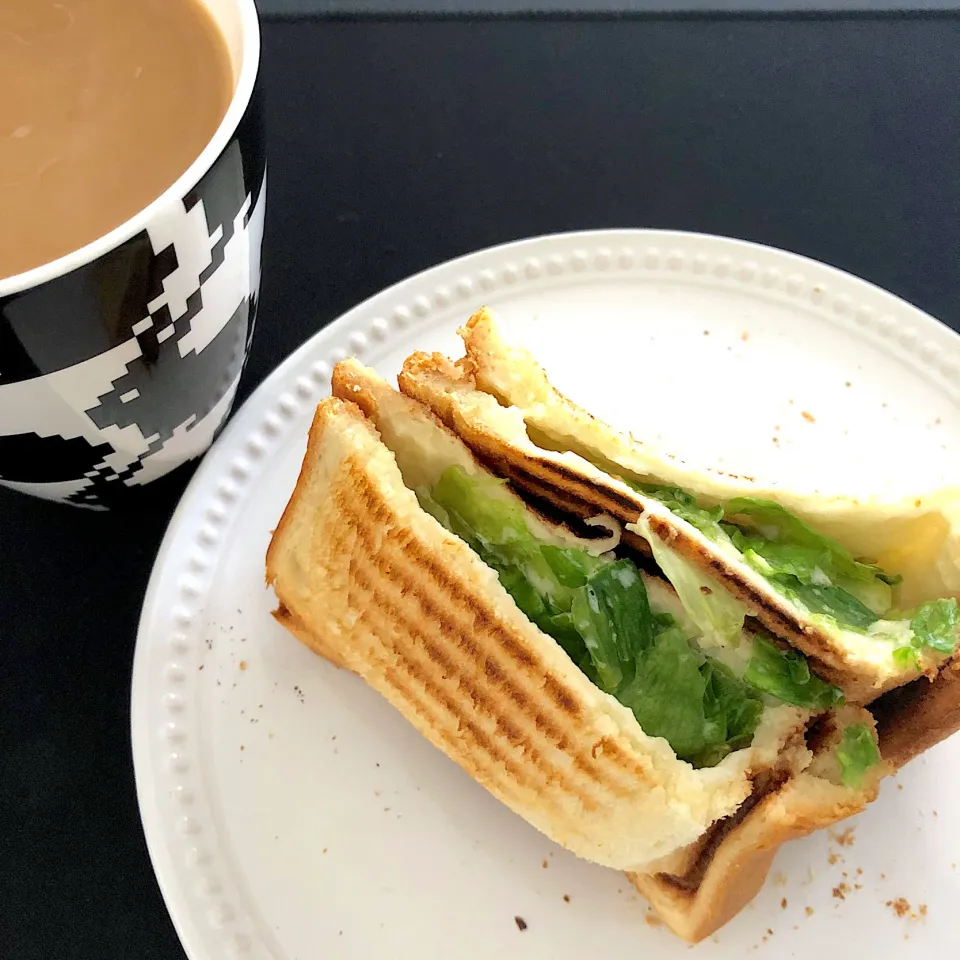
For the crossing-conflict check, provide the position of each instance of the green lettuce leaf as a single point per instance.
(717, 614)
(856, 753)
(666, 694)
(876, 594)
(934, 625)
(785, 674)
(696, 703)
(906, 658)
(789, 562)
(809, 548)
(808, 566)
(616, 591)
(931, 626)
(571, 566)
(612, 614)
(830, 601)
(731, 710)
(474, 509)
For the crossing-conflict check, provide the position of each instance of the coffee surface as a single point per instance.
(103, 104)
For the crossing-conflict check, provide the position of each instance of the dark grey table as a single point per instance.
(397, 145)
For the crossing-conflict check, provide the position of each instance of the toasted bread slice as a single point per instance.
(498, 399)
(369, 580)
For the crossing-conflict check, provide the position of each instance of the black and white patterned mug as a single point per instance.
(120, 361)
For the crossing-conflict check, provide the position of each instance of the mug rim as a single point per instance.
(249, 65)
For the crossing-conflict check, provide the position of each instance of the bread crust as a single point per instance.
(918, 716)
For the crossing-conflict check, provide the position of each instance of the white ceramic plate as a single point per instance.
(292, 814)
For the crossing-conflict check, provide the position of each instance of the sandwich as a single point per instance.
(865, 588)
(556, 655)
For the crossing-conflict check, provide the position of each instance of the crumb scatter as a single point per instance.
(846, 838)
(900, 906)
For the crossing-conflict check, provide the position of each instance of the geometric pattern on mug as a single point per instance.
(121, 418)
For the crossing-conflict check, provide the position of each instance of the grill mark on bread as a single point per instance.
(561, 696)
(492, 705)
(472, 763)
(388, 613)
(556, 483)
(616, 760)
(403, 668)
(612, 756)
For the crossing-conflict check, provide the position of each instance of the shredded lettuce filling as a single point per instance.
(856, 753)
(785, 674)
(597, 610)
(718, 615)
(817, 572)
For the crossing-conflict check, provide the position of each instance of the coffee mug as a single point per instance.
(120, 361)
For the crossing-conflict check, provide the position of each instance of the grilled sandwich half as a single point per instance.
(576, 686)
